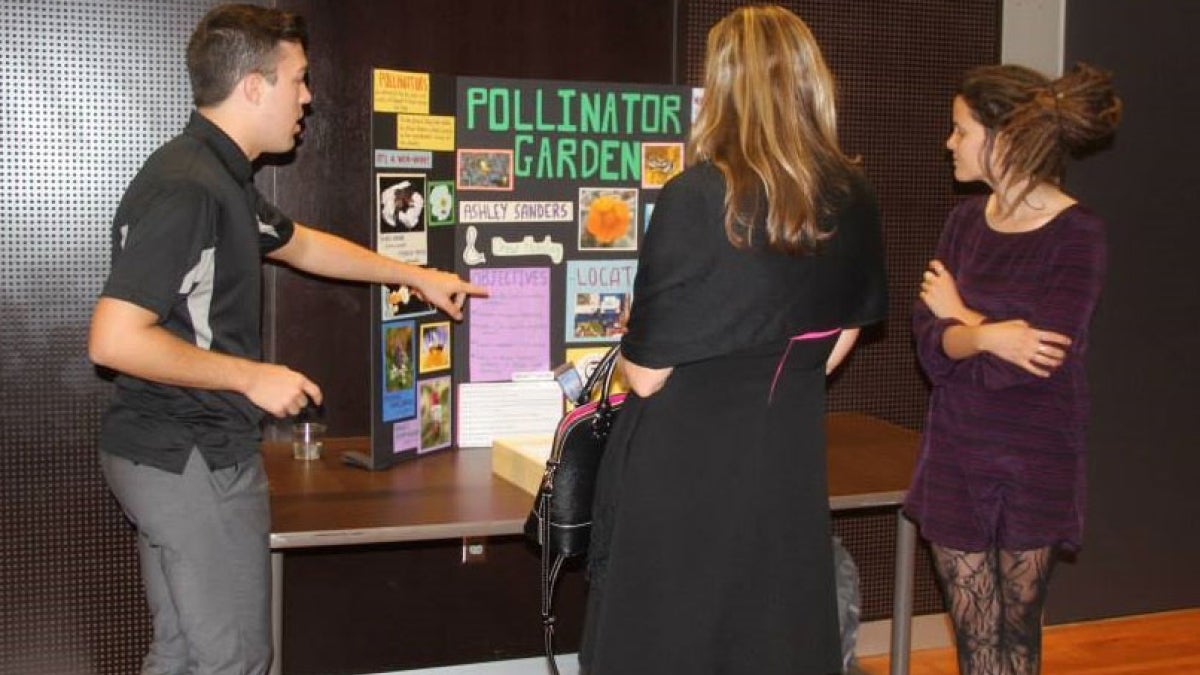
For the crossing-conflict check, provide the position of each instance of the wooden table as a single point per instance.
(452, 495)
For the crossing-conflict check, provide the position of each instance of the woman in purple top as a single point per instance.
(1001, 330)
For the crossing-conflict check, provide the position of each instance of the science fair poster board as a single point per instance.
(410, 200)
(539, 190)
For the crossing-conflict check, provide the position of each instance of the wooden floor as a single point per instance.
(1152, 644)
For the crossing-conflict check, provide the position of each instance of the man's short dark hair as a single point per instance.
(232, 41)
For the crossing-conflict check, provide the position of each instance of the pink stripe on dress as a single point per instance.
(811, 335)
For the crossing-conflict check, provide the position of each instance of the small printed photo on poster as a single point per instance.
(649, 211)
(599, 316)
(597, 299)
(406, 436)
(697, 101)
(401, 203)
(399, 370)
(485, 169)
(585, 360)
(660, 163)
(435, 347)
(400, 213)
(435, 413)
(399, 301)
(441, 203)
(607, 219)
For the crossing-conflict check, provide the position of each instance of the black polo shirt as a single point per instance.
(187, 244)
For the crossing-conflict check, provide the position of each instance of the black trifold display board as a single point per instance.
(541, 191)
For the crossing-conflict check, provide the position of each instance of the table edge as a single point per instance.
(394, 534)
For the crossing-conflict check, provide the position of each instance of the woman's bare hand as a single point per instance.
(1038, 351)
(939, 292)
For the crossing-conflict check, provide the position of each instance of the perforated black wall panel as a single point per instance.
(896, 64)
(870, 538)
(87, 89)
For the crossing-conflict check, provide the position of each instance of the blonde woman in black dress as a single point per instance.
(711, 551)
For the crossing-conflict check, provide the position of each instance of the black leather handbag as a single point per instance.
(561, 519)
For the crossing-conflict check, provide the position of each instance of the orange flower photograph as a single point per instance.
(606, 219)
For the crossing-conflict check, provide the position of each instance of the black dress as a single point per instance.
(711, 548)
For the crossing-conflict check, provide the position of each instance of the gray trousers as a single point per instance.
(203, 541)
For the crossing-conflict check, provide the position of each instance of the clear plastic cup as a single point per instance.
(307, 440)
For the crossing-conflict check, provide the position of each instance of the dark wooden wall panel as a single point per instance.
(323, 331)
(1140, 553)
(417, 606)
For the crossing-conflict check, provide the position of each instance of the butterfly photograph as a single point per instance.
(660, 163)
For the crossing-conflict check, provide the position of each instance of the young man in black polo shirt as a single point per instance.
(179, 321)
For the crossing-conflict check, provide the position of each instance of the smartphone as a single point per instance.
(569, 381)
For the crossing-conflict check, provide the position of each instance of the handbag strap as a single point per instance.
(601, 376)
(552, 565)
(549, 577)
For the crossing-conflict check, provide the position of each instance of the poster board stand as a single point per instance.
(541, 191)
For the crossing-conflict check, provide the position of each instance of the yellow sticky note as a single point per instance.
(425, 132)
(399, 91)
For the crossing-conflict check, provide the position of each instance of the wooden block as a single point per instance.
(521, 460)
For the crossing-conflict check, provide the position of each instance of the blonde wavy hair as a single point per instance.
(768, 121)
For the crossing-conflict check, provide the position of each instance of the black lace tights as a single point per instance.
(995, 600)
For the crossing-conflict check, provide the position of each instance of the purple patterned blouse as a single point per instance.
(1002, 455)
